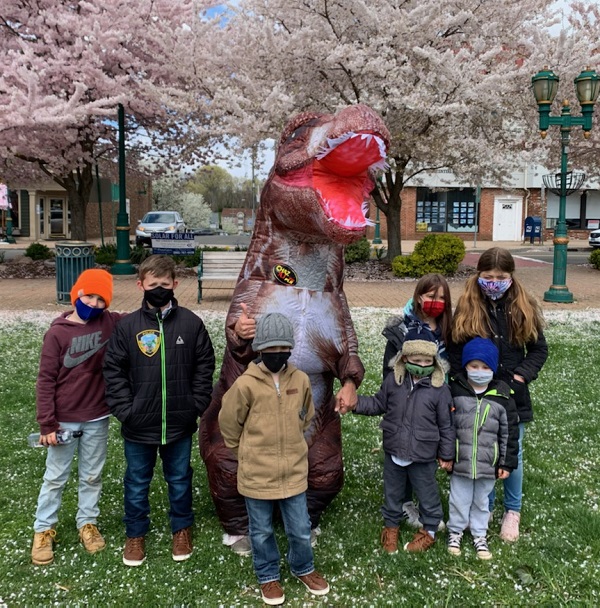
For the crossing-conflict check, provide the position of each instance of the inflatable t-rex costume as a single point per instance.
(312, 205)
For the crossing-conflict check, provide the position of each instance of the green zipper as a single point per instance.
(475, 431)
(163, 373)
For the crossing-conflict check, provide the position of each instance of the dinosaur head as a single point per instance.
(324, 171)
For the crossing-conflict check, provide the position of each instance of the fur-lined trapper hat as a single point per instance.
(418, 342)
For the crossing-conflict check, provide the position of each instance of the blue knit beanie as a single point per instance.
(482, 349)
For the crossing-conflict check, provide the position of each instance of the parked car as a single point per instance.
(203, 231)
(158, 221)
(594, 239)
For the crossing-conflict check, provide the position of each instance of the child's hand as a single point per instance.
(502, 474)
(341, 406)
(49, 439)
(446, 464)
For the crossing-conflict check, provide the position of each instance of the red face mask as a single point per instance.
(433, 308)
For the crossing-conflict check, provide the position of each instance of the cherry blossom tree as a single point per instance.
(67, 64)
(451, 78)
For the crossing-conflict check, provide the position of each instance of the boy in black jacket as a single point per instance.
(158, 371)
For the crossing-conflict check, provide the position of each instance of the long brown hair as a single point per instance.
(525, 320)
(432, 282)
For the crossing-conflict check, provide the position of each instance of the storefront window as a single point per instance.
(452, 210)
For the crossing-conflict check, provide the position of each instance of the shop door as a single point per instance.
(507, 219)
(58, 218)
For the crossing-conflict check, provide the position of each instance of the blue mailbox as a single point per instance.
(533, 228)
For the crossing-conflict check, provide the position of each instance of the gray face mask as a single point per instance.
(480, 377)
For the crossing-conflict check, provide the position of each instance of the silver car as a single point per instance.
(158, 221)
(594, 239)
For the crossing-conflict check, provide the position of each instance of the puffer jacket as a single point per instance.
(526, 361)
(158, 374)
(264, 426)
(487, 429)
(417, 424)
(395, 332)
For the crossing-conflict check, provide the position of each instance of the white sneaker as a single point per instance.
(314, 534)
(454, 539)
(411, 514)
(509, 531)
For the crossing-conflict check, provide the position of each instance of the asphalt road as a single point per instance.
(546, 254)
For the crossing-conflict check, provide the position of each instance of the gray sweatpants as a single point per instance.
(469, 504)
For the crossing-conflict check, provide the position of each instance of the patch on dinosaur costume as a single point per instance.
(285, 274)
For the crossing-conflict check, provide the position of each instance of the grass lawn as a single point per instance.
(556, 561)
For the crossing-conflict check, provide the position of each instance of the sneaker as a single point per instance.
(182, 544)
(135, 551)
(91, 538)
(242, 546)
(421, 541)
(481, 546)
(454, 539)
(315, 583)
(509, 530)
(272, 593)
(314, 534)
(411, 515)
(389, 540)
(42, 553)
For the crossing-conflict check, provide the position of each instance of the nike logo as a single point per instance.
(71, 362)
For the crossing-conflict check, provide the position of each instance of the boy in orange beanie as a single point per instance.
(70, 395)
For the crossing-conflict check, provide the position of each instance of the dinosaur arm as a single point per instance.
(349, 366)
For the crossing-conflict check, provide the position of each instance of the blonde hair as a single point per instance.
(158, 266)
(524, 318)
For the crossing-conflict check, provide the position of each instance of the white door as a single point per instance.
(507, 219)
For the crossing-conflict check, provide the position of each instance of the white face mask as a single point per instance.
(480, 377)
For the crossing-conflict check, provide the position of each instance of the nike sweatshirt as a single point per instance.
(70, 385)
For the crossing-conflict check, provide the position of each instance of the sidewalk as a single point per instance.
(582, 281)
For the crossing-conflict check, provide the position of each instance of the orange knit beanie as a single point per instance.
(94, 281)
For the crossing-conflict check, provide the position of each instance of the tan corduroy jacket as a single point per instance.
(265, 428)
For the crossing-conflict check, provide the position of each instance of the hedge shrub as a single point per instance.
(106, 255)
(359, 251)
(595, 259)
(441, 253)
(38, 251)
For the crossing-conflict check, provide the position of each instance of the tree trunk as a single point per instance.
(392, 214)
(78, 185)
(387, 196)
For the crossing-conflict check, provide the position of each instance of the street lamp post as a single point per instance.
(377, 237)
(545, 87)
(122, 265)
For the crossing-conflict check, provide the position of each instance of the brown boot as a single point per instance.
(182, 544)
(389, 540)
(91, 538)
(42, 553)
(421, 541)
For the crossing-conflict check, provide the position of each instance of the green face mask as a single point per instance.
(420, 371)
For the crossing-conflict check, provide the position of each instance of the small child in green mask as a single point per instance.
(418, 434)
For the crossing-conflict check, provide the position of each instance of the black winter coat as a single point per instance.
(417, 423)
(158, 374)
(526, 361)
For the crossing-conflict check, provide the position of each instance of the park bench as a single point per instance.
(218, 266)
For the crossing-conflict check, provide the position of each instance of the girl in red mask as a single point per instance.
(429, 311)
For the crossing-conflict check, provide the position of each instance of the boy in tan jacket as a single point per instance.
(263, 419)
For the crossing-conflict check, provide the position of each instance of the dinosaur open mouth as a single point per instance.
(342, 177)
(340, 174)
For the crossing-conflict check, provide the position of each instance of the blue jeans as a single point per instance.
(91, 449)
(513, 486)
(265, 553)
(141, 458)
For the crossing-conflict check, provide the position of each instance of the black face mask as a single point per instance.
(275, 361)
(158, 297)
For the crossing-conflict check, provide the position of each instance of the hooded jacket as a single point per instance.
(70, 386)
(487, 429)
(395, 333)
(265, 428)
(417, 424)
(526, 361)
(158, 374)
